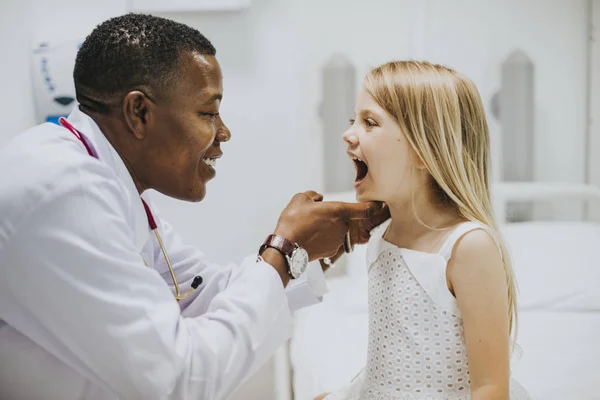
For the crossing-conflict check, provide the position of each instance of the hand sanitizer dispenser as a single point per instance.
(53, 86)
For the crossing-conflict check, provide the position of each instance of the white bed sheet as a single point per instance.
(556, 264)
(558, 273)
(329, 344)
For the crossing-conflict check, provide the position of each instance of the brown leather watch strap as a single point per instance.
(279, 243)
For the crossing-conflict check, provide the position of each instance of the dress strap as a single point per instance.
(375, 242)
(460, 231)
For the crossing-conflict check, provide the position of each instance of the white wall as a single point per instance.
(273, 59)
(22, 23)
(476, 36)
(594, 109)
(271, 56)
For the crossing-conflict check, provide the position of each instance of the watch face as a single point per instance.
(298, 262)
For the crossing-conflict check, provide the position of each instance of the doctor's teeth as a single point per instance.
(211, 162)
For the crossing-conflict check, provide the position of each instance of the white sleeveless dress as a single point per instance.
(416, 344)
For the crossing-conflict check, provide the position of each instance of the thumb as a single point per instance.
(314, 196)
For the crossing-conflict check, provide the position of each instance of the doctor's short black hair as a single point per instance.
(134, 51)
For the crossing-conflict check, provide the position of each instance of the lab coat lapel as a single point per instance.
(108, 155)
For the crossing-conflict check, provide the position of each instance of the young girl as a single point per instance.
(442, 298)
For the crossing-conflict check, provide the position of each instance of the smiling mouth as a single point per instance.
(211, 161)
(362, 170)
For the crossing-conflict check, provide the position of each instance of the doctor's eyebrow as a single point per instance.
(215, 97)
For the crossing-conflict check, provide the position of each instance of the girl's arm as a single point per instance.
(478, 280)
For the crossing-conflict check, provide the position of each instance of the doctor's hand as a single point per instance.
(360, 230)
(319, 227)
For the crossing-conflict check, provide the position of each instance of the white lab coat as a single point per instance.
(82, 317)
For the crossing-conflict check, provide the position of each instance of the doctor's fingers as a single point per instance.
(355, 211)
(379, 216)
(360, 229)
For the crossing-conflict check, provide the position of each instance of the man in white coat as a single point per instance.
(99, 298)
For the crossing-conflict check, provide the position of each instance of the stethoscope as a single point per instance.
(151, 222)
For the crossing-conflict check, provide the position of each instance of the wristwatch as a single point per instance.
(295, 256)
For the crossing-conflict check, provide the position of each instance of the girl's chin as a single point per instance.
(366, 197)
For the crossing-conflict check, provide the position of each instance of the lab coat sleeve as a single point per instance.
(188, 262)
(93, 299)
(308, 289)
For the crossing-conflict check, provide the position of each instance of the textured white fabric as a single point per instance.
(416, 341)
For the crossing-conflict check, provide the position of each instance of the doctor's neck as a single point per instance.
(116, 131)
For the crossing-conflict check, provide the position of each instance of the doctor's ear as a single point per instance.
(136, 106)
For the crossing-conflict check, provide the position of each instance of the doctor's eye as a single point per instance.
(212, 116)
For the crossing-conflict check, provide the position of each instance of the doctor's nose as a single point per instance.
(223, 132)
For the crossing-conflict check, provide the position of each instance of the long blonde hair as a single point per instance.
(441, 113)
